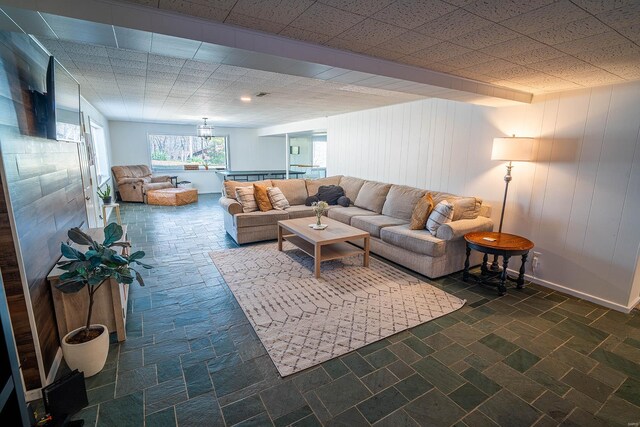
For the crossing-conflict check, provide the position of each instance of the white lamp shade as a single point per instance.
(512, 149)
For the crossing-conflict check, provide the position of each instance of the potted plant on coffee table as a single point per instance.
(105, 195)
(86, 348)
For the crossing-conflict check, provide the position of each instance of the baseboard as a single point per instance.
(36, 394)
(587, 297)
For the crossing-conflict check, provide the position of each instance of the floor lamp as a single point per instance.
(509, 149)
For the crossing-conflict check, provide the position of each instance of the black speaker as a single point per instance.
(65, 396)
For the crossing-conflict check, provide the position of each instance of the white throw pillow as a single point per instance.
(277, 199)
(245, 196)
(441, 214)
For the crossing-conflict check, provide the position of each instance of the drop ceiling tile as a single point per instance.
(130, 71)
(196, 9)
(513, 47)
(454, 24)
(499, 10)
(82, 49)
(361, 7)
(599, 6)
(628, 71)
(371, 32)
(379, 52)
(408, 42)
(352, 46)
(572, 31)
(486, 36)
(128, 63)
(632, 32)
(323, 19)
(599, 41)
(535, 55)
(494, 66)
(553, 15)
(595, 78)
(468, 74)
(563, 67)
(610, 53)
(274, 11)
(166, 60)
(511, 73)
(467, 60)
(253, 23)
(410, 14)
(440, 52)
(622, 17)
(547, 83)
(127, 55)
(304, 35)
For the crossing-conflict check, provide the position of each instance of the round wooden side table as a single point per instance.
(500, 244)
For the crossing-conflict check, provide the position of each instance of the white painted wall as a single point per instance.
(247, 150)
(578, 202)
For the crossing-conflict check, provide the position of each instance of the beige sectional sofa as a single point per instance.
(384, 210)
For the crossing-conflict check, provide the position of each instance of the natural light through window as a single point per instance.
(176, 151)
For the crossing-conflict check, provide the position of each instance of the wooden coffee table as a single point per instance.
(500, 244)
(323, 245)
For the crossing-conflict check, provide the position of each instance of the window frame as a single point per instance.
(178, 168)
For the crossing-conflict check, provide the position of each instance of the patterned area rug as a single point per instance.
(303, 321)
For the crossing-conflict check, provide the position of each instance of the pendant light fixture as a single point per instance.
(205, 130)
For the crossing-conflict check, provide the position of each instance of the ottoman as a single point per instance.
(172, 196)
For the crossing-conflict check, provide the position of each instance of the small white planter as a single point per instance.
(88, 357)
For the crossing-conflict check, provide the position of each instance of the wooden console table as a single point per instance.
(110, 304)
(500, 244)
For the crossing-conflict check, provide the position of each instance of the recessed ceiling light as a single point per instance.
(245, 98)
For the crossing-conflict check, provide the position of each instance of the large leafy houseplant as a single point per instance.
(92, 268)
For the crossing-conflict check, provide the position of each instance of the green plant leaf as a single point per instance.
(71, 253)
(112, 233)
(143, 265)
(136, 255)
(122, 244)
(139, 278)
(80, 237)
(71, 286)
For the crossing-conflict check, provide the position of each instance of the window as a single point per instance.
(175, 151)
(100, 146)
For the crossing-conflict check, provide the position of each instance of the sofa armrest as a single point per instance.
(124, 181)
(457, 229)
(161, 178)
(230, 205)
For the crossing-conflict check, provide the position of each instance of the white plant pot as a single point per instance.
(88, 357)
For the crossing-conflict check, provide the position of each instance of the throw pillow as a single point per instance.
(311, 200)
(421, 212)
(441, 214)
(245, 196)
(372, 196)
(262, 198)
(344, 201)
(277, 199)
(330, 193)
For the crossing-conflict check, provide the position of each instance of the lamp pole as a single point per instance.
(507, 179)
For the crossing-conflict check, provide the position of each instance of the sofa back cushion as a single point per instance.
(135, 171)
(313, 185)
(372, 196)
(401, 200)
(351, 186)
(295, 190)
(463, 207)
(229, 187)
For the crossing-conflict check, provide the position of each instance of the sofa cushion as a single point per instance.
(246, 198)
(294, 190)
(374, 223)
(300, 211)
(419, 241)
(277, 199)
(149, 186)
(421, 212)
(401, 200)
(351, 186)
(330, 193)
(229, 187)
(345, 214)
(372, 196)
(262, 197)
(463, 207)
(314, 184)
(441, 214)
(255, 219)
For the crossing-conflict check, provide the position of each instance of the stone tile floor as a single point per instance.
(533, 357)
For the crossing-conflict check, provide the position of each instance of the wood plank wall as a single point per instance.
(45, 191)
(578, 201)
